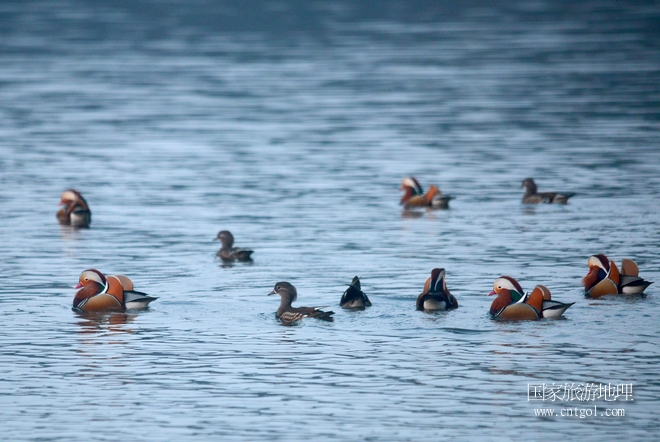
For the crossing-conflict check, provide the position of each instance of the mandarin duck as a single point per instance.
(75, 211)
(531, 195)
(354, 297)
(604, 278)
(414, 195)
(435, 295)
(115, 292)
(513, 304)
(288, 314)
(229, 253)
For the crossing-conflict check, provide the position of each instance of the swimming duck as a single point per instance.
(75, 211)
(508, 291)
(604, 278)
(354, 297)
(532, 197)
(288, 314)
(414, 195)
(229, 253)
(435, 295)
(99, 293)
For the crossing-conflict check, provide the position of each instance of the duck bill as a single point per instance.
(493, 292)
(271, 293)
(78, 286)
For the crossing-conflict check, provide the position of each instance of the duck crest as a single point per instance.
(412, 183)
(437, 283)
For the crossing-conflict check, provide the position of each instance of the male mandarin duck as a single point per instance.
(435, 294)
(229, 253)
(75, 210)
(354, 297)
(533, 197)
(414, 195)
(513, 304)
(99, 293)
(604, 278)
(288, 314)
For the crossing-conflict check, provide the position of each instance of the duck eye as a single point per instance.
(499, 286)
(278, 287)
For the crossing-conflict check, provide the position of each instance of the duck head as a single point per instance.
(73, 197)
(529, 185)
(436, 283)
(507, 290)
(413, 184)
(411, 188)
(91, 282)
(226, 238)
(286, 291)
(599, 267)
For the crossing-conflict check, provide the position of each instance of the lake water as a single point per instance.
(292, 124)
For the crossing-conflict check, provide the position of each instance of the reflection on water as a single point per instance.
(97, 322)
(293, 123)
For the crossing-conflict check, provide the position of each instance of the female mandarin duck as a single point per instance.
(75, 211)
(435, 295)
(532, 196)
(354, 297)
(414, 195)
(288, 314)
(513, 304)
(99, 293)
(604, 278)
(228, 252)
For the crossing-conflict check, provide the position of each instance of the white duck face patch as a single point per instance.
(89, 275)
(595, 261)
(69, 195)
(503, 283)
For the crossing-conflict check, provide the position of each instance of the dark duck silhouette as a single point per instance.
(288, 314)
(354, 297)
(532, 196)
(229, 253)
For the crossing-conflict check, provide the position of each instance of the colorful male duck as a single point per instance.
(354, 297)
(604, 278)
(513, 304)
(414, 195)
(435, 295)
(75, 210)
(99, 293)
(532, 196)
(288, 314)
(229, 253)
